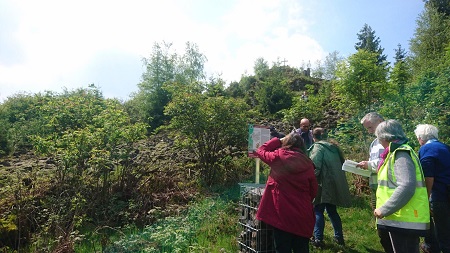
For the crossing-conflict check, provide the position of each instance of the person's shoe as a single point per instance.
(317, 243)
(339, 241)
(425, 248)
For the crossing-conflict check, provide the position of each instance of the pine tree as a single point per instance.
(369, 42)
(442, 6)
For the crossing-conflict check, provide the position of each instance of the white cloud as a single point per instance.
(269, 29)
(59, 39)
(251, 20)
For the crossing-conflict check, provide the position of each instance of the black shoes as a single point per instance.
(425, 248)
(317, 243)
(339, 241)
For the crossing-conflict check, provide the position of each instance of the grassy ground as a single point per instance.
(211, 226)
(359, 230)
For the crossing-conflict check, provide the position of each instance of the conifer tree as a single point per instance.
(369, 42)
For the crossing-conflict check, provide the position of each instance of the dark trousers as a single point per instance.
(398, 242)
(430, 239)
(286, 242)
(441, 217)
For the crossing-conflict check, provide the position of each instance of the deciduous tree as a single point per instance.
(362, 81)
(208, 126)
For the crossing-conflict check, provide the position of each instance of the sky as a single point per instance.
(52, 45)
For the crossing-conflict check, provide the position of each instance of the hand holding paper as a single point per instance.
(350, 166)
(363, 165)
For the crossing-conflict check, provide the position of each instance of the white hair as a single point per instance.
(426, 132)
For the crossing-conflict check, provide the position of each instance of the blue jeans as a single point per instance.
(320, 221)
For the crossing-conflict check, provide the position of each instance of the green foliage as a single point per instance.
(4, 127)
(208, 126)
(327, 70)
(20, 215)
(234, 90)
(261, 68)
(432, 36)
(26, 116)
(235, 169)
(163, 66)
(442, 6)
(244, 89)
(92, 180)
(89, 139)
(431, 67)
(273, 95)
(191, 65)
(399, 100)
(433, 94)
(368, 41)
(90, 135)
(362, 81)
(210, 225)
(200, 229)
(352, 137)
(215, 87)
(312, 108)
(21, 115)
(86, 157)
(274, 89)
(151, 98)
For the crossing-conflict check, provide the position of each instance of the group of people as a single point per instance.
(411, 192)
(407, 190)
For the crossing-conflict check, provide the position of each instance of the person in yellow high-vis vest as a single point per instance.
(402, 208)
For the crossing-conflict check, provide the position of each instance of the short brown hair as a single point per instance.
(318, 133)
(294, 140)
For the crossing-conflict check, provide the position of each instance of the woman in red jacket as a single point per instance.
(291, 187)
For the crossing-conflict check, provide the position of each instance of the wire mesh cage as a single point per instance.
(255, 235)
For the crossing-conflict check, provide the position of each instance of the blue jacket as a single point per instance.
(435, 160)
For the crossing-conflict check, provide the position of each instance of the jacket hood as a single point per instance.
(331, 147)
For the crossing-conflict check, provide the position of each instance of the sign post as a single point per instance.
(257, 135)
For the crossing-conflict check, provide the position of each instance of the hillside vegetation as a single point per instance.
(77, 168)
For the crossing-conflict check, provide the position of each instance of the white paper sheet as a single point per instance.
(350, 166)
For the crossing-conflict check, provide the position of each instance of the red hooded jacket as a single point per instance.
(290, 190)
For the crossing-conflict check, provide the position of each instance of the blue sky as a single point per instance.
(51, 44)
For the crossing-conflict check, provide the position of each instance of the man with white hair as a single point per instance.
(435, 160)
(370, 122)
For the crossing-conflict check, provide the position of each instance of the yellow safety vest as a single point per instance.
(415, 215)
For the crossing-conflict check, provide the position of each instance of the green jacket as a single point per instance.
(333, 185)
